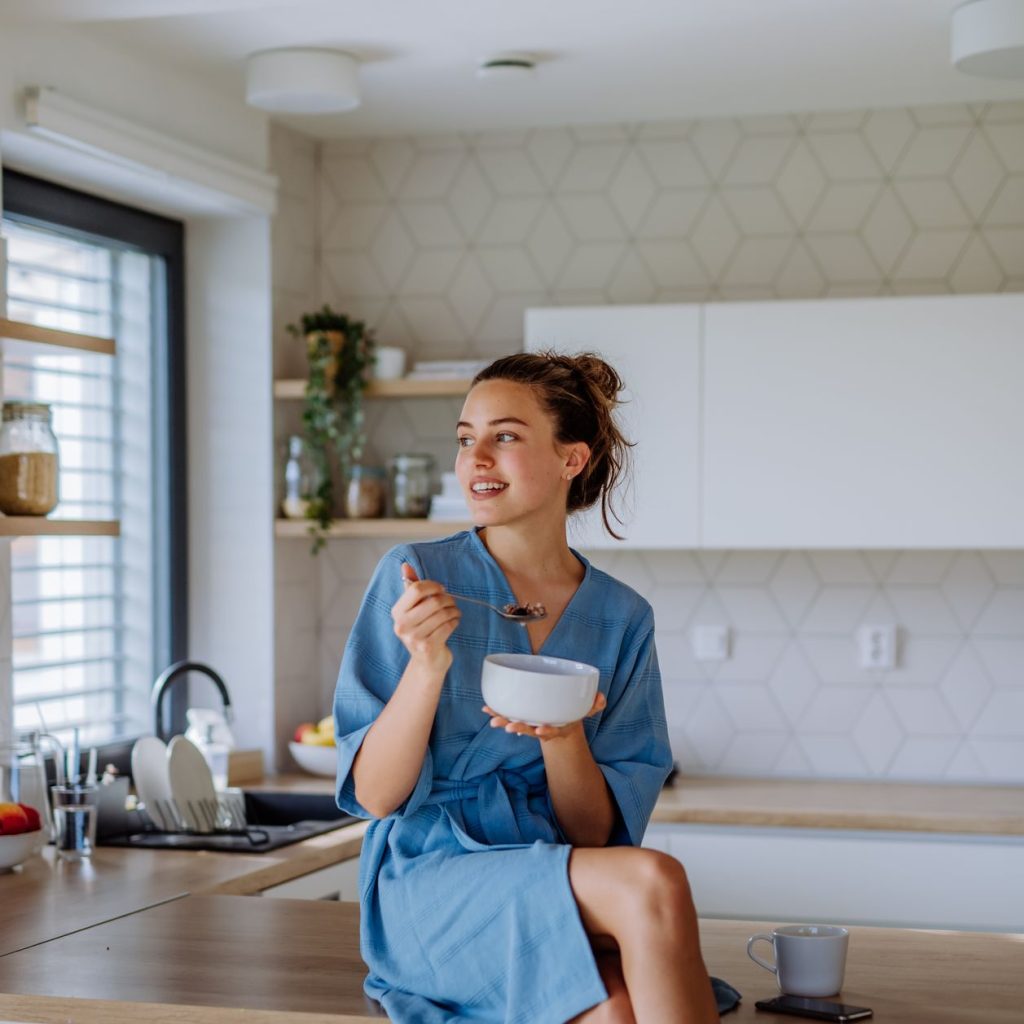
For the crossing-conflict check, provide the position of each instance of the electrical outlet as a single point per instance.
(711, 643)
(877, 646)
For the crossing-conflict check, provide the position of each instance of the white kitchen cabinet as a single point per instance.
(656, 350)
(336, 882)
(910, 879)
(868, 423)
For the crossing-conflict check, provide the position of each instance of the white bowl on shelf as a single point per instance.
(19, 847)
(316, 760)
(538, 690)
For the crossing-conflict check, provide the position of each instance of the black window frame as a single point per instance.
(36, 201)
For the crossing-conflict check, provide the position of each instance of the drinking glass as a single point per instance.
(74, 815)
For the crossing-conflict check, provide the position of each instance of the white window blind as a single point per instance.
(83, 607)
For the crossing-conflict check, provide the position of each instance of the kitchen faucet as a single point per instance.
(167, 678)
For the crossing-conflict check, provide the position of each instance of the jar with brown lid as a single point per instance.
(28, 460)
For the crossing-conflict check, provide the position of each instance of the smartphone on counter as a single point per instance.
(819, 1009)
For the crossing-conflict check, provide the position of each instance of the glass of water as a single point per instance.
(74, 818)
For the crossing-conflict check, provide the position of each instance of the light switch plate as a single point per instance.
(711, 643)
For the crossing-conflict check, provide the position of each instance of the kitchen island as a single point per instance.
(174, 936)
(220, 959)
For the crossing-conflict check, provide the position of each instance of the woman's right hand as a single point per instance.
(425, 616)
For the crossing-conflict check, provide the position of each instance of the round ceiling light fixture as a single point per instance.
(302, 80)
(508, 67)
(987, 38)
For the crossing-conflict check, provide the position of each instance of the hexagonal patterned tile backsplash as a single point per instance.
(442, 242)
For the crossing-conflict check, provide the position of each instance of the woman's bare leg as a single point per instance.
(616, 1009)
(641, 898)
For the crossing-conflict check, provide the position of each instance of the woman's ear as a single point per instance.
(576, 458)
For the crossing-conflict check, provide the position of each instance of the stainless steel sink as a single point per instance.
(270, 807)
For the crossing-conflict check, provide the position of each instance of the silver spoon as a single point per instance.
(513, 612)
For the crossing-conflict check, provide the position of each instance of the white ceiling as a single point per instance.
(601, 60)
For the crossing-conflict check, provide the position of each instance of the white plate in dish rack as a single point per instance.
(192, 785)
(152, 782)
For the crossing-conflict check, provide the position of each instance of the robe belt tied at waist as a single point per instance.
(486, 788)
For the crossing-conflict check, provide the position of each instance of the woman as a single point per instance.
(501, 879)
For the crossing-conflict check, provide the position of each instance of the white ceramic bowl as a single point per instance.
(19, 847)
(538, 690)
(315, 760)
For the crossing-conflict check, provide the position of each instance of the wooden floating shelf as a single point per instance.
(40, 526)
(18, 331)
(401, 388)
(398, 529)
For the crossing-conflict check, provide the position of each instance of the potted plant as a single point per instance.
(340, 351)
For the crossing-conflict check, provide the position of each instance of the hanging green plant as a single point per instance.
(340, 351)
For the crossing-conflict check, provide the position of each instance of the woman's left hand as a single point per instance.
(544, 732)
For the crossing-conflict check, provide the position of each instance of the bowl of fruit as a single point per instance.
(21, 834)
(313, 747)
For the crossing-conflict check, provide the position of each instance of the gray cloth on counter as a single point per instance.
(726, 996)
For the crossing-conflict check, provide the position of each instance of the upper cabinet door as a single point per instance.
(865, 423)
(656, 350)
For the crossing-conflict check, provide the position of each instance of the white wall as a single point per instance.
(296, 575)
(230, 467)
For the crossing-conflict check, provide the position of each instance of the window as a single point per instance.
(95, 619)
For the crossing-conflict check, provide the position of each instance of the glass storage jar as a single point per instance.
(364, 495)
(410, 485)
(28, 460)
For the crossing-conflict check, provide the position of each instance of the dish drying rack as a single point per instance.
(201, 819)
(238, 821)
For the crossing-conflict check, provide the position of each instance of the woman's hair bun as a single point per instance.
(602, 376)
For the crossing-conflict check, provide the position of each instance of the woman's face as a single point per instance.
(508, 463)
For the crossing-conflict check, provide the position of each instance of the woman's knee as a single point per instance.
(661, 880)
(616, 887)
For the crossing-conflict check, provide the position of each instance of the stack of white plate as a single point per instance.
(175, 784)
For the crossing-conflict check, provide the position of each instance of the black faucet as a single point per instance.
(168, 676)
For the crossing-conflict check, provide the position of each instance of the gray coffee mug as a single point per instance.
(810, 959)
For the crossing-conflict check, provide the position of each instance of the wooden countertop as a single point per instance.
(901, 807)
(44, 900)
(220, 959)
(812, 803)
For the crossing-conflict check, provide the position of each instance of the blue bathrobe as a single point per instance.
(467, 912)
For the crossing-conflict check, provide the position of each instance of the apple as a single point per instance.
(326, 727)
(303, 731)
(13, 819)
(33, 817)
